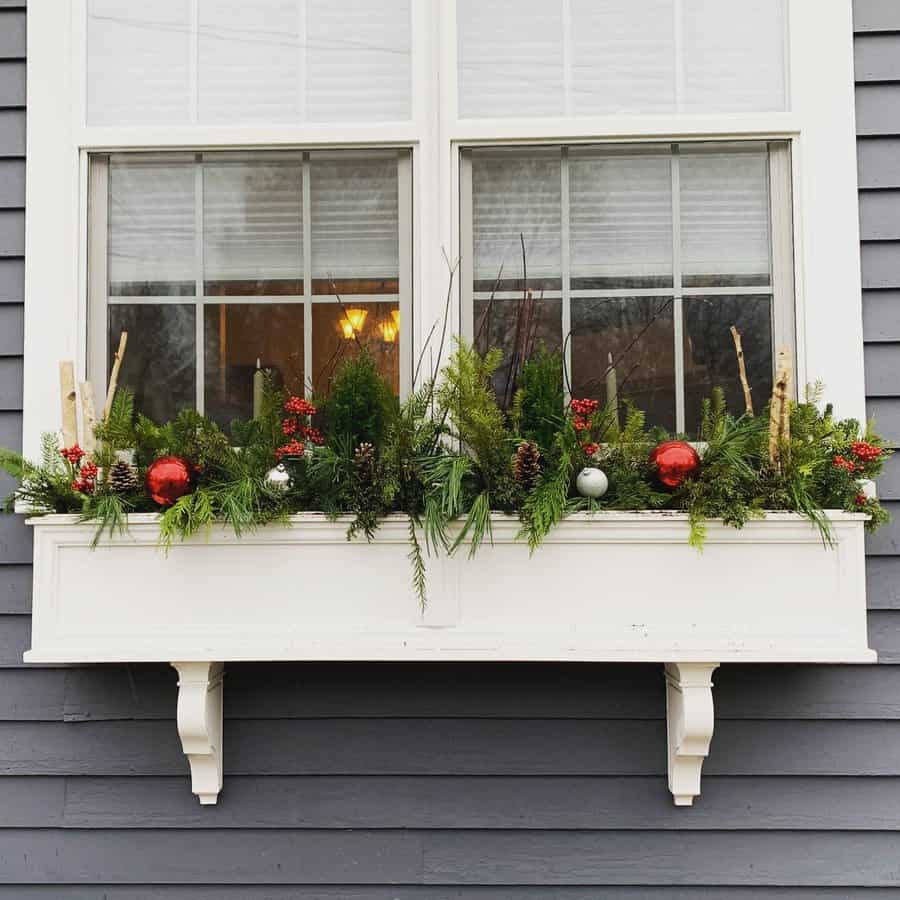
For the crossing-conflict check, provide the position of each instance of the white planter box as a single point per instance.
(612, 587)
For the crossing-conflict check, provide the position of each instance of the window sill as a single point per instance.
(622, 587)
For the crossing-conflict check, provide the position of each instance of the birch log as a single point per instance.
(114, 375)
(88, 417)
(69, 409)
(779, 409)
(742, 370)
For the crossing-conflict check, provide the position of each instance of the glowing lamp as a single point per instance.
(388, 332)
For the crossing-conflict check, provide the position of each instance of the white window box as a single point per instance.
(622, 587)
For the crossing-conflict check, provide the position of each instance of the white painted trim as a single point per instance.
(820, 125)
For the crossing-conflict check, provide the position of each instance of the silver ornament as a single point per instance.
(592, 483)
(278, 480)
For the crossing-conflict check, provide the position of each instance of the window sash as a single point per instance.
(782, 277)
(100, 300)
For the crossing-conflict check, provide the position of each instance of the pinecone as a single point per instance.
(527, 465)
(364, 462)
(122, 478)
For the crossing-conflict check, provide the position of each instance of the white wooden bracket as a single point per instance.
(200, 725)
(690, 718)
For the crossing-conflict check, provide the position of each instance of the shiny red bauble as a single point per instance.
(168, 478)
(674, 462)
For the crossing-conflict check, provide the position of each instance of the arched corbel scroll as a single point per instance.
(690, 718)
(200, 725)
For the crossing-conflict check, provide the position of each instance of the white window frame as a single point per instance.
(820, 128)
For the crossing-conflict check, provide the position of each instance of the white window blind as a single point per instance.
(232, 61)
(594, 57)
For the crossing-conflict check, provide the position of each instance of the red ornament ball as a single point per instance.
(674, 462)
(168, 478)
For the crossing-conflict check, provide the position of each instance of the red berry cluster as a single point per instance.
(583, 410)
(841, 462)
(293, 426)
(861, 499)
(72, 455)
(299, 407)
(87, 478)
(291, 448)
(865, 451)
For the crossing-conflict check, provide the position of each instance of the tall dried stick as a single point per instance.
(742, 370)
(114, 375)
(88, 417)
(779, 410)
(67, 398)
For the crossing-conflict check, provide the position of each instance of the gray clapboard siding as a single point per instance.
(474, 747)
(12, 271)
(454, 857)
(879, 162)
(881, 316)
(12, 232)
(12, 178)
(881, 370)
(12, 329)
(12, 132)
(603, 804)
(12, 34)
(877, 57)
(877, 109)
(878, 215)
(15, 539)
(11, 383)
(12, 82)
(444, 892)
(875, 15)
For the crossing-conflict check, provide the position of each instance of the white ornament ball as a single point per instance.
(278, 479)
(592, 483)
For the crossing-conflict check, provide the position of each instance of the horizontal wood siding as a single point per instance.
(460, 782)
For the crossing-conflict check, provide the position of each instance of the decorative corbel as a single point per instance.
(690, 719)
(200, 725)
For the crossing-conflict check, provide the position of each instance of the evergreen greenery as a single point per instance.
(447, 457)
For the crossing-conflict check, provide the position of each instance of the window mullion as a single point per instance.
(98, 279)
(405, 255)
(198, 284)
(307, 277)
(466, 248)
(782, 251)
(677, 303)
(566, 272)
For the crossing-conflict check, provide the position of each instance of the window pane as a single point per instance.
(359, 64)
(249, 61)
(709, 356)
(734, 55)
(377, 329)
(236, 336)
(510, 58)
(623, 56)
(253, 228)
(518, 328)
(138, 62)
(274, 61)
(355, 224)
(516, 195)
(637, 334)
(621, 219)
(151, 229)
(160, 363)
(725, 217)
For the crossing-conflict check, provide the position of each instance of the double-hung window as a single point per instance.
(621, 181)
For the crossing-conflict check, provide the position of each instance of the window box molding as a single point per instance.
(216, 599)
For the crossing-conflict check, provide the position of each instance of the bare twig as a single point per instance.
(114, 374)
(742, 370)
